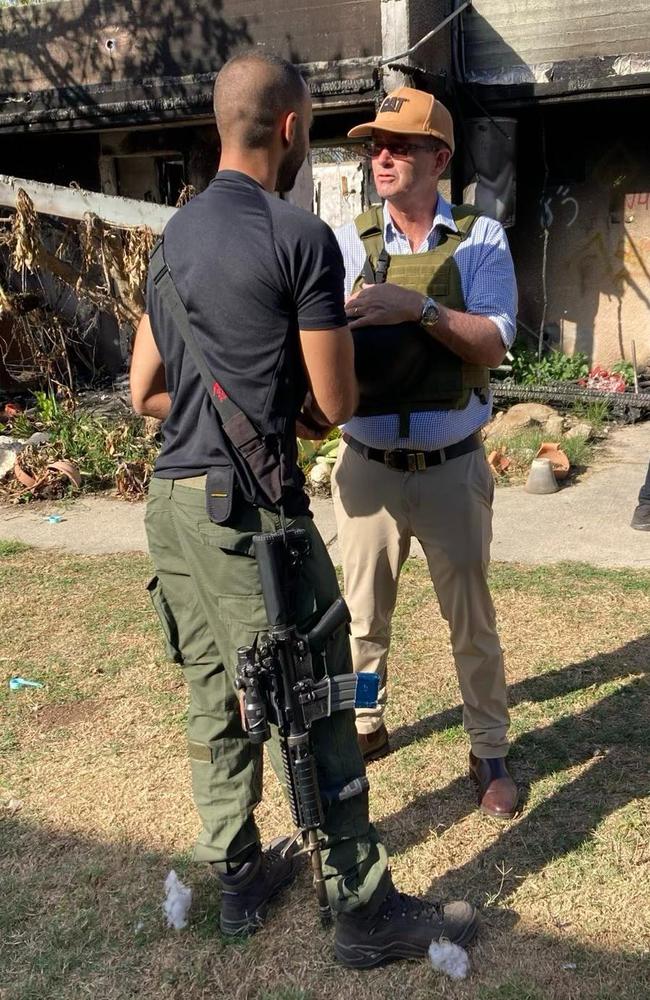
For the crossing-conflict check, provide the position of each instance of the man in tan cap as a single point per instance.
(431, 302)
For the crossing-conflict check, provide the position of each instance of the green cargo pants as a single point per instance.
(208, 596)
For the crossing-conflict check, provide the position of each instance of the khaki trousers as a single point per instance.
(448, 508)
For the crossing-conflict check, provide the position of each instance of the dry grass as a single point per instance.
(97, 760)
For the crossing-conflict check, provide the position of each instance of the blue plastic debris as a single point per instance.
(16, 683)
(367, 691)
(54, 519)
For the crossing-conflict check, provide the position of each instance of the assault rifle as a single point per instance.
(279, 685)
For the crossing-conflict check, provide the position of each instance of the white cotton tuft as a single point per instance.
(449, 958)
(178, 899)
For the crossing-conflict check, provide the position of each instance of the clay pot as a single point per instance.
(558, 458)
(498, 462)
(68, 469)
(24, 478)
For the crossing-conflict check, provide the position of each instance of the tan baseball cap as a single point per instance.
(412, 112)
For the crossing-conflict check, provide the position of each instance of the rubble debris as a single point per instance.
(602, 380)
(9, 449)
(582, 429)
(518, 417)
(68, 469)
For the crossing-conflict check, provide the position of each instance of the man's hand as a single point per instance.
(475, 339)
(378, 305)
(311, 424)
(310, 432)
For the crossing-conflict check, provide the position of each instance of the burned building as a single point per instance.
(548, 102)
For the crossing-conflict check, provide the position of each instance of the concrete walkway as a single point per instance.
(587, 521)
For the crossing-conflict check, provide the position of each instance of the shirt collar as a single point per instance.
(442, 218)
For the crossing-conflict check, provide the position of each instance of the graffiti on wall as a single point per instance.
(637, 199)
(559, 198)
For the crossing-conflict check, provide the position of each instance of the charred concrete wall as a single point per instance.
(581, 243)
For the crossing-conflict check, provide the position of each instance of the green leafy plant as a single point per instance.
(108, 452)
(626, 369)
(555, 366)
(312, 452)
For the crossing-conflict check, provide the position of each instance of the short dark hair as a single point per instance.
(251, 91)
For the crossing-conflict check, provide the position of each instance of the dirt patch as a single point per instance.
(76, 712)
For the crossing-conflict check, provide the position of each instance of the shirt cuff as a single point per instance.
(506, 328)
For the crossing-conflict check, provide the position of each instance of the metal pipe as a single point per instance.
(409, 52)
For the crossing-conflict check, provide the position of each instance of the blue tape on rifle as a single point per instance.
(367, 691)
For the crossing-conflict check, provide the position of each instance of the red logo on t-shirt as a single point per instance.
(218, 392)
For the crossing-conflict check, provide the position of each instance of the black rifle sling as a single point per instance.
(164, 282)
(257, 472)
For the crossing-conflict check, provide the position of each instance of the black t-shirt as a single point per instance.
(252, 271)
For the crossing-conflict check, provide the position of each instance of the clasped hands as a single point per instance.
(378, 305)
(372, 305)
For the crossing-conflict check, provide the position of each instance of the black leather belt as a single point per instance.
(416, 461)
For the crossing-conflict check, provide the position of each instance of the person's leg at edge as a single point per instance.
(641, 516)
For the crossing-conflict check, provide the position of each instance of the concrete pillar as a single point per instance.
(394, 38)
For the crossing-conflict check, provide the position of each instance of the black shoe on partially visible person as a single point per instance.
(641, 517)
(394, 925)
(246, 894)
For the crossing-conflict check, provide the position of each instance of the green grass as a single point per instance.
(565, 579)
(596, 412)
(10, 548)
(513, 989)
(98, 762)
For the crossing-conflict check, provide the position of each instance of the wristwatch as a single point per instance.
(430, 314)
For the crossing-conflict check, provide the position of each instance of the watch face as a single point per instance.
(430, 313)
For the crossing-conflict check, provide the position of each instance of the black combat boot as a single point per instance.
(394, 925)
(246, 893)
(641, 517)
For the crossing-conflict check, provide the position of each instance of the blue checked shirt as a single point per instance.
(489, 289)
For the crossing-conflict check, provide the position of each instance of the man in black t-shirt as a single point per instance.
(262, 285)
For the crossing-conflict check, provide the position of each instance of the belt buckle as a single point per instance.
(389, 460)
(416, 461)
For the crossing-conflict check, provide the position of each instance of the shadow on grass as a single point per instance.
(81, 917)
(613, 736)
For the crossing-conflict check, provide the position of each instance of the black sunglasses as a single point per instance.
(399, 150)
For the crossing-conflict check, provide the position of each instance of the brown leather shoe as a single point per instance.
(498, 795)
(374, 745)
